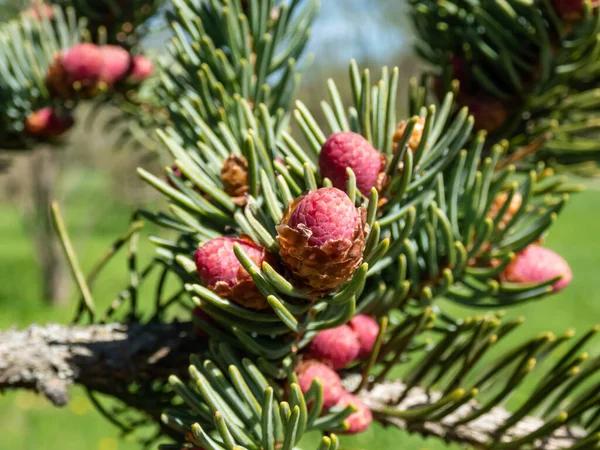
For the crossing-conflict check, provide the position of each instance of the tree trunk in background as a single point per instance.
(53, 271)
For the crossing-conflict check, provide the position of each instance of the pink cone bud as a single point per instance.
(222, 273)
(327, 214)
(83, 62)
(366, 329)
(308, 370)
(361, 419)
(142, 69)
(350, 150)
(46, 123)
(117, 63)
(336, 347)
(321, 240)
(537, 264)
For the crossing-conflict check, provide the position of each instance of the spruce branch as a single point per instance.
(541, 79)
(104, 358)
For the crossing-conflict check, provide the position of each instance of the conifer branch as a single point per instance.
(104, 358)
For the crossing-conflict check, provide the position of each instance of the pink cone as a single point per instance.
(361, 419)
(350, 150)
(366, 329)
(336, 347)
(222, 273)
(117, 63)
(308, 370)
(537, 264)
(83, 62)
(142, 69)
(46, 123)
(327, 214)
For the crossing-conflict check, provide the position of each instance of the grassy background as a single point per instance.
(28, 422)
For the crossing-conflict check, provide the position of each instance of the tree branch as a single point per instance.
(479, 433)
(108, 358)
(104, 358)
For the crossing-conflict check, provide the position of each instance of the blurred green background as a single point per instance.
(98, 189)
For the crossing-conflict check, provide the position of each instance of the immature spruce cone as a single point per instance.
(142, 69)
(366, 329)
(415, 138)
(45, 123)
(322, 239)
(117, 63)
(308, 370)
(222, 273)
(234, 175)
(537, 264)
(361, 419)
(336, 347)
(82, 64)
(350, 150)
(498, 204)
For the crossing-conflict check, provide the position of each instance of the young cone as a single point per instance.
(45, 123)
(366, 329)
(345, 150)
(537, 264)
(361, 419)
(322, 239)
(415, 137)
(142, 69)
(234, 175)
(498, 204)
(336, 347)
(222, 273)
(310, 369)
(83, 63)
(117, 63)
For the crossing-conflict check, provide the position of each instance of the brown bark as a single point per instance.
(105, 358)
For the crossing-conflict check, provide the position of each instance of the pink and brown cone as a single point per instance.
(222, 273)
(321, 240)
(336, 347)
(310, 369)
(499, 202)
(537, 264)
(117, 63)
(46, 123)
(415, 137)
(345, 150)
(81, 65)
(361, 419)
(366, 329)
(142, 69)
(234, 175)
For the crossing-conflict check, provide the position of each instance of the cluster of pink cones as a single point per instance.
(84, 70)
(332, 350)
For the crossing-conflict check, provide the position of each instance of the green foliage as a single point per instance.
(230, 402)
(544, 70)
(27, 48)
